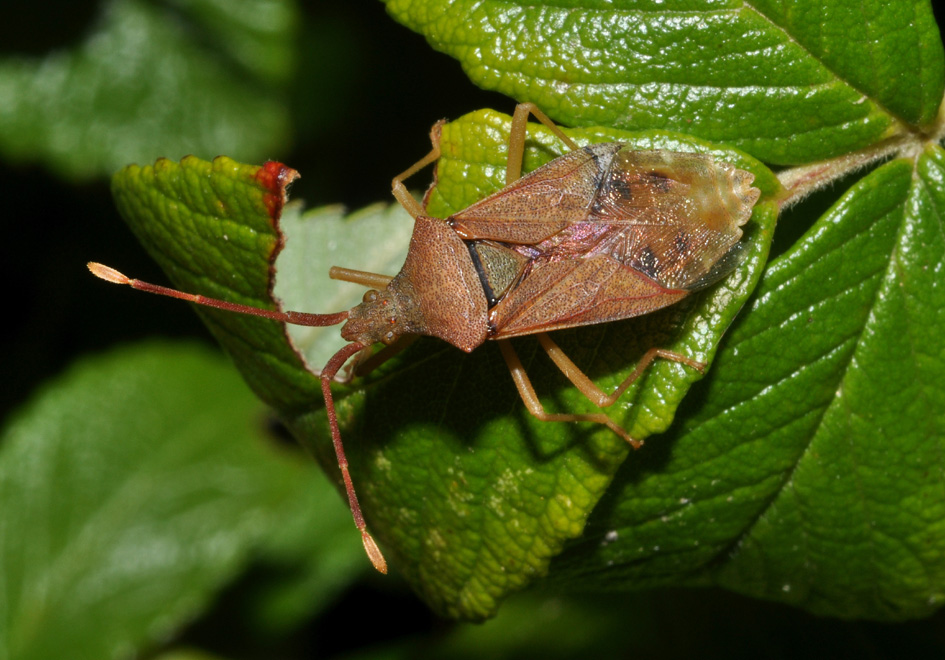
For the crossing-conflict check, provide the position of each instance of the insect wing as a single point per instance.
(542, 203)
(569, 293)
(672, 216)
(608, 233)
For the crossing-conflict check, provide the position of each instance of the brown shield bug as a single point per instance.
(602, 233)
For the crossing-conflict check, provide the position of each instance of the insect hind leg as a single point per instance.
(588, 388)
(530, 399)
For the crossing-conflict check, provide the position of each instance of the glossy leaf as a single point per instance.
(811, 471)
(469, 495)
(786, 82)
(213, 228)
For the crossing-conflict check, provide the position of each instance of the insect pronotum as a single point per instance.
(601, 233)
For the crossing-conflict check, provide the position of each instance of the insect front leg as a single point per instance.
(530, 399)
(400, 191)
(519, 133)
(372, 362)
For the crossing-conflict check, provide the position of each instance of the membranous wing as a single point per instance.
(603, 233)
(672, 216)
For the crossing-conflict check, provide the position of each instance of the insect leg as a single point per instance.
(372, 362)
(530, 399)
(518, 133)
(588, 388)
(397, 185)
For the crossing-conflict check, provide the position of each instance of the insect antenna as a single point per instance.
(295, 318)
(326, 376)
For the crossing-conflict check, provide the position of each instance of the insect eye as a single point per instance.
(369, 296)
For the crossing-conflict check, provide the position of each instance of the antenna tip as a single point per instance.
(374, 553)
(107, 274)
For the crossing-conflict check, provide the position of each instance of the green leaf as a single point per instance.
(142, 86)
(258, 35)
(133, 489)
(467, 492)
(788, 83)
(811, 470)
(803, 470)
(213, 229)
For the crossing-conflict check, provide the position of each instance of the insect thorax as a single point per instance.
(436, 293)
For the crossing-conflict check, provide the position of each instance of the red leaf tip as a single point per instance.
(275, 177)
